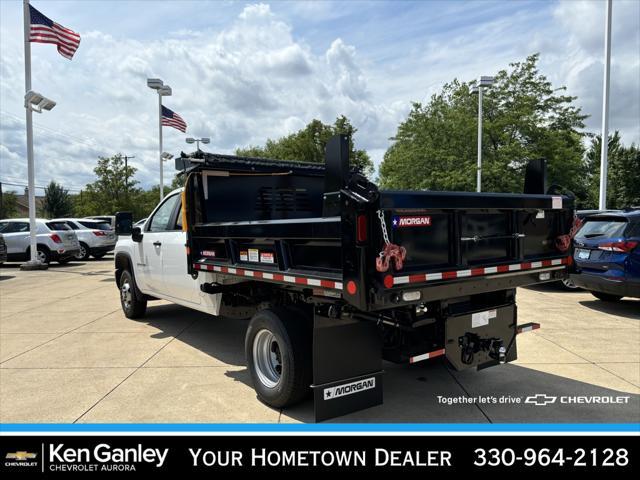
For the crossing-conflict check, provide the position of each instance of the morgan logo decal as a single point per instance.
(349, 388)
(413, 221)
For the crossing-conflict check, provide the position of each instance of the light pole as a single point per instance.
(126, 173)
(197, 141)
(483, 81)
(163, 91)
(604, 144)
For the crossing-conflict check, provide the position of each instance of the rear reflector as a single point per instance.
(624, 247)
(55, 238)
(361, 230)
(426, 356)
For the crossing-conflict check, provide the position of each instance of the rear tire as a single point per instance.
(43, 254)
(606, 297)
(84, 252)
(133, 305)
(279, 355)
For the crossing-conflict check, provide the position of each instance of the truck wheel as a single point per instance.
(278, 351)
(132, 305)
(606, 297)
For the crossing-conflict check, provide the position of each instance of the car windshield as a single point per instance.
(95, 225)
(602, 228)
(58, 226)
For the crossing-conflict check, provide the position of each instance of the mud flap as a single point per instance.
(478, 329)
(347, 366)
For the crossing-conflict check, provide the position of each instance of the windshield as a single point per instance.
(602, 228)
(95, 225)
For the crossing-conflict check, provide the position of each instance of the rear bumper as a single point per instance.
(70, 252)
(102, 249)
(600, 283)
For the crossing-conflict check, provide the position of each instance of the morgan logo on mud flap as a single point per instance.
(349, 388)
(413, 221)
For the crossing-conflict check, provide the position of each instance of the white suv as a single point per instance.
(96, 238)
(56, 241)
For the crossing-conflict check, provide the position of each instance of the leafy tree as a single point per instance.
(525, 118)
(309, 145)
(623, 173)
(8, 204)
(114, 190)
(57, 201)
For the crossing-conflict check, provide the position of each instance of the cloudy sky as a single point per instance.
(244, 72)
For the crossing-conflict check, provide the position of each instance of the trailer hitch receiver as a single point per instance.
(470, 344)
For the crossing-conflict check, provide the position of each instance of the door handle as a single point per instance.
(157, 244)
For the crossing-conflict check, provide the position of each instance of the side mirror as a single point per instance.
(124, 223)
(136, 234)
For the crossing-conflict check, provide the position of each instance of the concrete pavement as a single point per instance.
(68, 354)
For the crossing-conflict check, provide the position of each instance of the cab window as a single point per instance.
(163, 219)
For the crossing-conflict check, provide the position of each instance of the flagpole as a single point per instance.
(160, 136)
(33, 261)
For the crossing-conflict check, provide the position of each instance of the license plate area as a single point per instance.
(583, 254)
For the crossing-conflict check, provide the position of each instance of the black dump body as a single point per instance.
(318, 228)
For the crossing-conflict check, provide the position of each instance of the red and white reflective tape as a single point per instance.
(426, 356)
(473, 272)
(527, 327)
(276, 277)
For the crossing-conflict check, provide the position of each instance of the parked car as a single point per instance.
(607, 255)
(3, 250)
(567, 283)
(96, 238)
(56, 241)
(110, 219)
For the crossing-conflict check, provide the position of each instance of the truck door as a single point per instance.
(158, 229)
(177, 282)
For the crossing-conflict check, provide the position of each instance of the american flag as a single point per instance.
(45, 30)
(172, 119)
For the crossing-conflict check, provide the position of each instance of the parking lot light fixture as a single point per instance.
(197, 141)
(483, 82)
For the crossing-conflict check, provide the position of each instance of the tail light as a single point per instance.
(624, 246)
(99, 233)
(56, 238)
(361, 228)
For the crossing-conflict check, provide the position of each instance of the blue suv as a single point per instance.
(607, 255)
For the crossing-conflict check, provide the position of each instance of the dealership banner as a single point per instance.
(417, 455)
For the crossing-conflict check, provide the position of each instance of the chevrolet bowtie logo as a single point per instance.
(540, 399)
(21, 456)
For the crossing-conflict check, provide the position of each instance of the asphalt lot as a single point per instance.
(68, 354)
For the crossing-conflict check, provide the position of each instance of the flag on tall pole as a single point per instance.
(39, 29)
(172, 119)
(45, 30)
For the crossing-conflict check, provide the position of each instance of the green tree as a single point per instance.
(57, 201)
(623, 173)
(525, 118)
(309, 145)
(8, 204)
(114, 190)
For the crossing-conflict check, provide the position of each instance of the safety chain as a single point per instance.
(383, 225)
